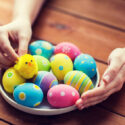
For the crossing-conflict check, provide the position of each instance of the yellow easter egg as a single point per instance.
(11, 79)
(61, 64)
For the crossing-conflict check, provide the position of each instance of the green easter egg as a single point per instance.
(42, 62)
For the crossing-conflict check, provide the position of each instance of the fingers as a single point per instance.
(5, 61)
(116, 60)
(23, 45)
(92, 103)
(94, 92)
(6, 47)
(111, 71)
(101, 93)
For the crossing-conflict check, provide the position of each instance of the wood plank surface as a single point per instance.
(116, 102)
(90, 116)
(110, 12)
(96, 32)
(57, 27)
(3, 123)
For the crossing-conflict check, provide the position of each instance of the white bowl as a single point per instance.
(44, 108)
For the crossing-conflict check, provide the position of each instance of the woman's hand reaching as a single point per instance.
(111, 82)
(19, 31)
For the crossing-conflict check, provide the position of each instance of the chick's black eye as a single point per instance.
(31, 60)
(26, 62)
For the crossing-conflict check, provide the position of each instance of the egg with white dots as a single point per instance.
(86, 64)
(42, 48)
(67, 48)
(28, 94)
(62, 95)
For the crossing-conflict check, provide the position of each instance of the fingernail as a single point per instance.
(106, 78)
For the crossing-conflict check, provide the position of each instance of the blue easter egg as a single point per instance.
(28, 94)
(42, 48)
(86, 64)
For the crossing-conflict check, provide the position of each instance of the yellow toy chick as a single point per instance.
(26, 66)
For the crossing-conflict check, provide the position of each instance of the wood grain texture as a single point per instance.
(3, 123)
(80, 25)
(110, 12)
(91, 38)
(90, 116)
(116, 102)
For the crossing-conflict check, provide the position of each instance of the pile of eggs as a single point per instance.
(39, 74)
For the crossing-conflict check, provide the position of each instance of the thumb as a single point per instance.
(23, 46)
(112, 70)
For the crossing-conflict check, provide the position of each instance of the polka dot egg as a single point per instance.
(11, 79)
(42, 48)
(28, 94)
(67, 48)
(45, 80)
(62, 95)
(60, 65)
(79, 80)
(42, 62)
(86, 64)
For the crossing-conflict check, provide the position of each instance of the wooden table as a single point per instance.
(96, 27)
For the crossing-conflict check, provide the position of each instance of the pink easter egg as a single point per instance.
(62, 95)
(67, 48)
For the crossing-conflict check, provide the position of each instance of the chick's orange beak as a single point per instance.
(29, 63)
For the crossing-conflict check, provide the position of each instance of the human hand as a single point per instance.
(111, 82)
(19, 31)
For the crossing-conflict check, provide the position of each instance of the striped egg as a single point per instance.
(79, 80)
(45, 80)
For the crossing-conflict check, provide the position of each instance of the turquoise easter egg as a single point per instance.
(86, 64)
(42, 63)
(42, 48)
(28, 94)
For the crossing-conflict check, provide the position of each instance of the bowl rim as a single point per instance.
(40, 111)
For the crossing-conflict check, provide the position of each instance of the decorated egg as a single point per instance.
(11, 79)
(42, 62)
(45, 80)
(79, 80)
(67, 48)
(60, 65)
(86, 64)
(62, 95)
(28, 94)
(42, 48)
